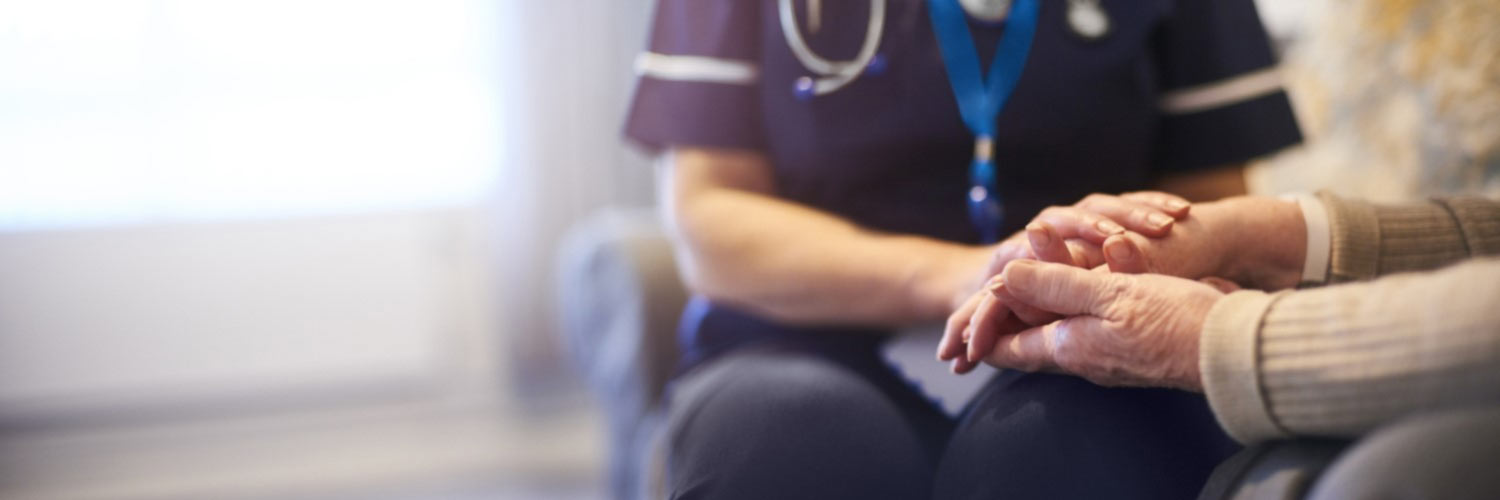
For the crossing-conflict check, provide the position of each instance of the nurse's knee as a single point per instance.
(1448, 455)
(799, 426)
(783, 396)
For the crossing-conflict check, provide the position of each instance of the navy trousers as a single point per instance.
(783, 420)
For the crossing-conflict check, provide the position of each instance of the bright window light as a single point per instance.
(134, 111)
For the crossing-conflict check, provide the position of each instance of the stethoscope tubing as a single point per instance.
(832, 75)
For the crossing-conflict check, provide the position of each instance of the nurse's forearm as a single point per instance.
(739, 244)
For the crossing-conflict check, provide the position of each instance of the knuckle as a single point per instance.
(1153, 198)
(1115, 290)
(1139, 216)
(1054, 210)
(1070, 360)
(955, 322)
(1090, 200)
(1065, 355)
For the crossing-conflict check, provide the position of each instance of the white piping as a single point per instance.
(1222, 93)
(696, 69)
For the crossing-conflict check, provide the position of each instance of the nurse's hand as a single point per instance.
(1256, 242)
(1073, 234)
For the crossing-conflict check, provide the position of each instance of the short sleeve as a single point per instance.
(1222, 100)
(698, 77)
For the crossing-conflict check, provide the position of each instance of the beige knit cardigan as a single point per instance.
(1342, 360)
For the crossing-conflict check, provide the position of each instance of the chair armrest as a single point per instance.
(619, 300)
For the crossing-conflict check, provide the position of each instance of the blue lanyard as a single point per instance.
(980, 101)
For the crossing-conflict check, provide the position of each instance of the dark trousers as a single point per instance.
(786, 421)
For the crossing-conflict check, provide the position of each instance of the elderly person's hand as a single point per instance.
(1117, 329)
(1254, 242)
(1074, 234)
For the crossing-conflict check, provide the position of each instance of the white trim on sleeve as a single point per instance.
(1319, 237)
(696, 69)
(1221, 93)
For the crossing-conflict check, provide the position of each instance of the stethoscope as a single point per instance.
(980, 92)
(830, 75)
(1086, 18)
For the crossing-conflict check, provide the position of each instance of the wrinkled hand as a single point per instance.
(1075, 234)
(1116, 329)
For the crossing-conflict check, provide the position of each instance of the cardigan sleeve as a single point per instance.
(1371, 240)
(1340, 360)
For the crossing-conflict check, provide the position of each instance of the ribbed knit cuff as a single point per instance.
(1356, 239)
(1418, 238)
(1479, 220)
(1229, 362)
(1375, 240)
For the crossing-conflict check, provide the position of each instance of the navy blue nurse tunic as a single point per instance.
(1174, 86)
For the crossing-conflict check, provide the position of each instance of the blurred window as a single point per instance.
(132, 111)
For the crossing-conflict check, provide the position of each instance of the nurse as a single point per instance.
(830, 171)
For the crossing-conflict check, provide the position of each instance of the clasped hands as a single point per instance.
(1070, 294)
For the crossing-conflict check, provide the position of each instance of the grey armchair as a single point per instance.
(619, 299)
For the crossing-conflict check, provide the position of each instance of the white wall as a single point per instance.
(563, 122)
(315, 342)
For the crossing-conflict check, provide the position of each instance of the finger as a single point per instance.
(1040, 348)
(1029, 316)
(1014, 247)
(1047, 244)
(1085, 254)
(1062, 289)
(1223, 285)
(1074, 222)
(1007, 327)
(1144, 218)
(984, 327)
(961, 366)
(952, 343)
(1029, 351)
(1123, 256)
(1171, 204)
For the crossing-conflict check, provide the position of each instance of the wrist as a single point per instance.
(944, 275)
(1265, 242)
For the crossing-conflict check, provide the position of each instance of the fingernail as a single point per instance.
(968, 333)
(1017, 270)
(1176, 204)
(1158, 220)
(1109, 227)
(1119, 252)
(1017, 264)
(1038, 235)
(994, 285)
